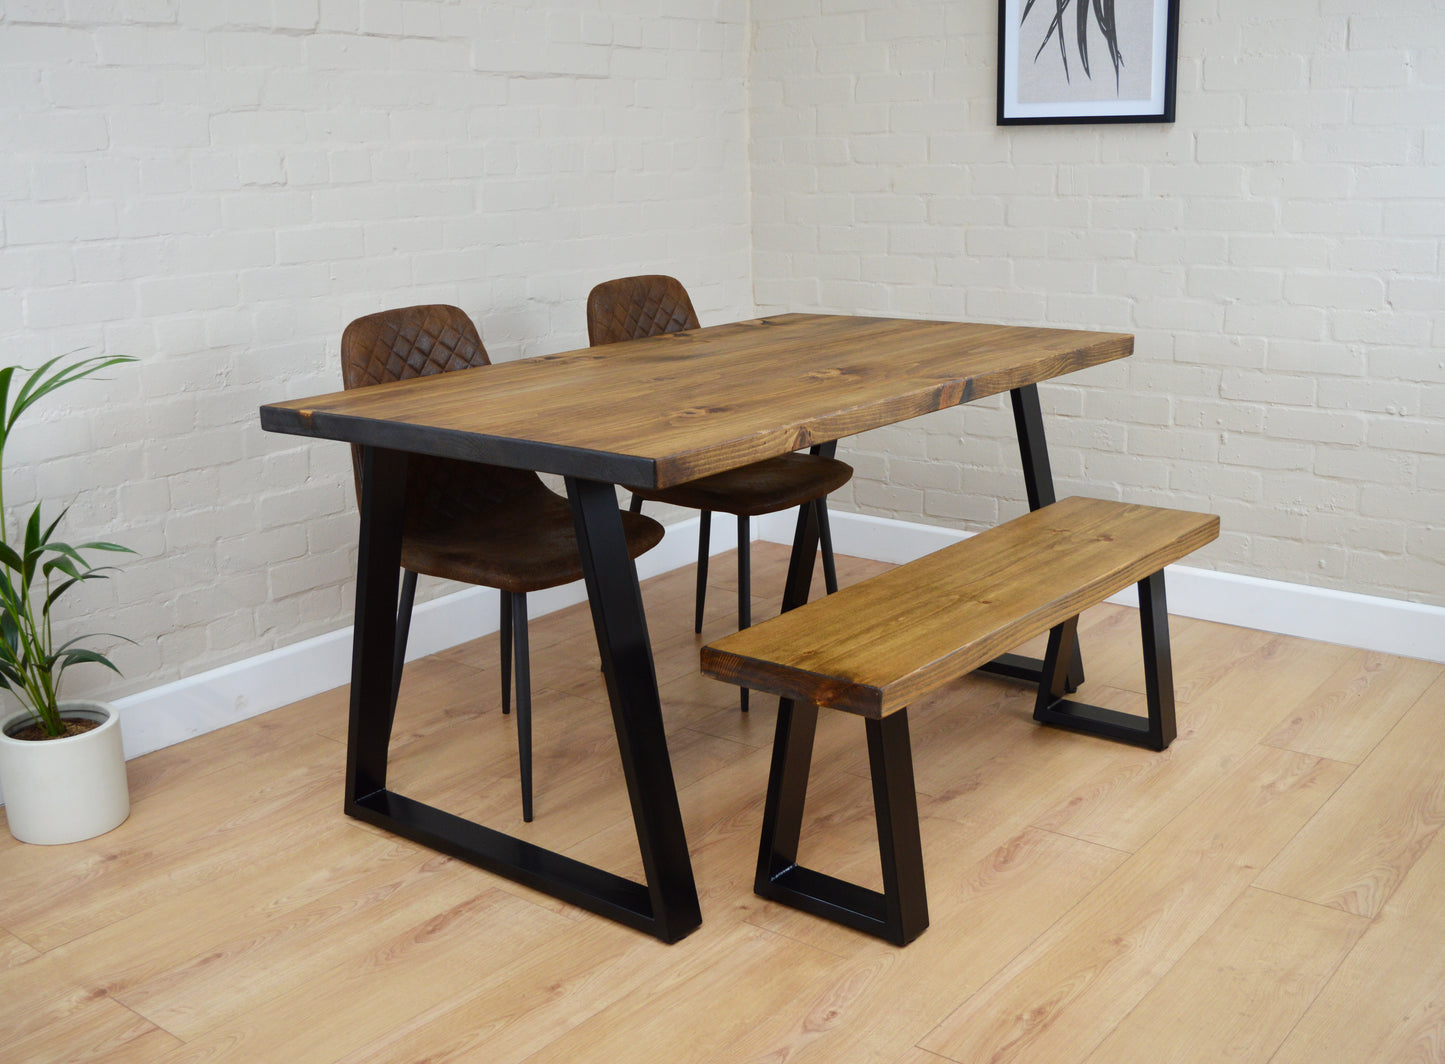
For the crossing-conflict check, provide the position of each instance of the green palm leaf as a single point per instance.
(36, 569)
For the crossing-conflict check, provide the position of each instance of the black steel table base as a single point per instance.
(666, 904)
(516, 859)
(1039, 489)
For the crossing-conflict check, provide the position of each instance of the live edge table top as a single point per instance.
(668, 409)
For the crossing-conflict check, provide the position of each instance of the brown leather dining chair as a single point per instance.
(630, 308)
(465, 521)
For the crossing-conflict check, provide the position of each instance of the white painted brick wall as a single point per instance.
(218, 188)
(1277, 252)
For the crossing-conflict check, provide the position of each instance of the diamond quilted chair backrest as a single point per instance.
(419, 341)
(395, 345)
(630, 308)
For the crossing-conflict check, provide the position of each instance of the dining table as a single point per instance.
(648, 413)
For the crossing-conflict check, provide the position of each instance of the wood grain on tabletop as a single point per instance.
(668, 409)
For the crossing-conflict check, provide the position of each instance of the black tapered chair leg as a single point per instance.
(704, 534)
(825, 541)
(524, 700)
(636, 505)
(403, 629)
(506, 626)
(745, 590)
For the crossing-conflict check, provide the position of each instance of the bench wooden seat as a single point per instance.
(876, 646)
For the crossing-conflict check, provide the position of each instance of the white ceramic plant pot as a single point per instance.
(64, 790)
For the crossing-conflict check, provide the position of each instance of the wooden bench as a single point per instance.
(875, 647)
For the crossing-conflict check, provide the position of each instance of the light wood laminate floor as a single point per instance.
(1269, 889)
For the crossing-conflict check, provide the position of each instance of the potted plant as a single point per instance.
(62, 765)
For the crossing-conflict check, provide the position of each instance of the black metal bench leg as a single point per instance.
(787, 791)
(779, 876)
(1158, 663)
(1157, 730)
(900, 913)
(895, 803)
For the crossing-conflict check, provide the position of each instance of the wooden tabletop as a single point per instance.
(669, 409)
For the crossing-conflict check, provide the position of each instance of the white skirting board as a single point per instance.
(198, 704)
(210, 700)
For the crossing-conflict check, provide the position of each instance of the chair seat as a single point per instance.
(522, 542)
(761, 488)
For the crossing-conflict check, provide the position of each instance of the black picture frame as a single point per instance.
(1055, 69)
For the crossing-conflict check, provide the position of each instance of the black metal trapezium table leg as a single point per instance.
(666, 905)
(1039, 488)
(626, 652)
(373, 653)
(1157, 730)
(800, 563)
(898, 914)
(807, 535)
(403, 629)
(825, 534)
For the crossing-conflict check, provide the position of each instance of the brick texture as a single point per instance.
(218, 188)
(1277, 252)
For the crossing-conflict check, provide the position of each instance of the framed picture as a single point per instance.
(1087, 61)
